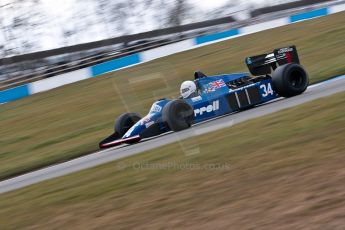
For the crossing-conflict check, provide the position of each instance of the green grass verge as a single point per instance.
(67, 122)
(288, 175)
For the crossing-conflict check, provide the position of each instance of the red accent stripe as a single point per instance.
(288, 57)
(121, 141)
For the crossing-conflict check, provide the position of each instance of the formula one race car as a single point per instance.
(277, 74)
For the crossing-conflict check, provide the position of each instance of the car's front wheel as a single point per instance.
(178, 115)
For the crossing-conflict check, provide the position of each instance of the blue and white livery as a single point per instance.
(274, 75)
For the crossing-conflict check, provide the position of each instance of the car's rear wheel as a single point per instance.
(125, 121)
(290, 80)
(178, 115)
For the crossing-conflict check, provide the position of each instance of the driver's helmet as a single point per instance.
(188, 89)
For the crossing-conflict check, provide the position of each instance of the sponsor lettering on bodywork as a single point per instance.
(145, 120)
(241, 88)
(148, 124)
(156, 108)
(207, 109)
(195, 99)
(285, 50)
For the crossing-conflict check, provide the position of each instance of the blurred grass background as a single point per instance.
(271, 180)
(68, 122)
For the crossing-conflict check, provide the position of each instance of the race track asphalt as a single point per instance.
(313, 92)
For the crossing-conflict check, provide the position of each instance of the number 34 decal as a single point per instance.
(267, 90)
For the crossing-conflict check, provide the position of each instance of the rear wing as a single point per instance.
(265, 63)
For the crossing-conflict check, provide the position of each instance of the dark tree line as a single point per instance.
(25, 23)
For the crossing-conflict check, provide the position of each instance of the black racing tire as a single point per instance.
(125, 121)
(290, 80)
(178, 115)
